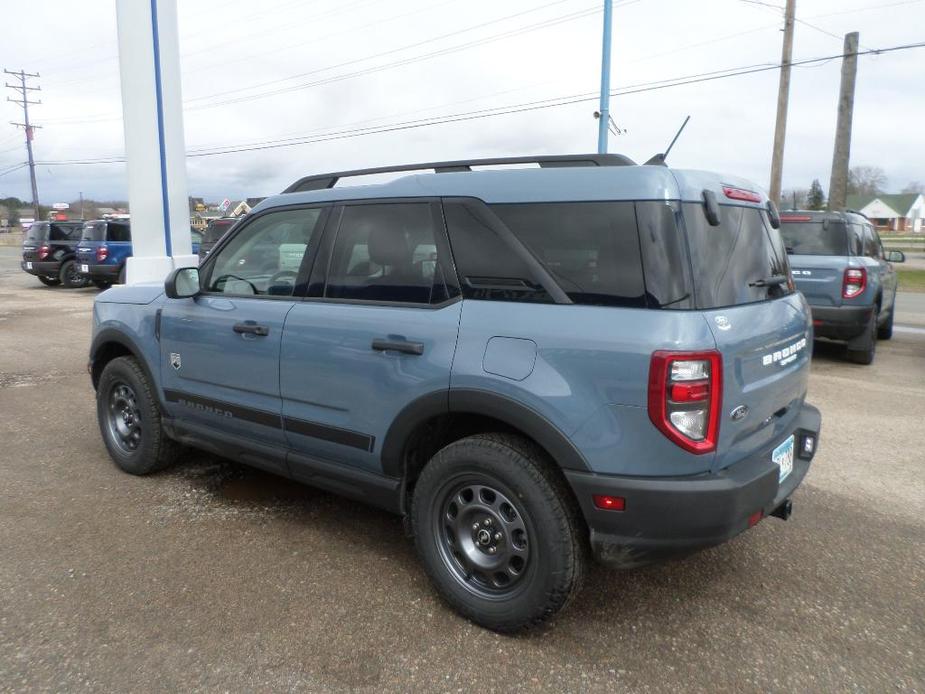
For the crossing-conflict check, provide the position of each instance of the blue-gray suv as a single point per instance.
(526, 363)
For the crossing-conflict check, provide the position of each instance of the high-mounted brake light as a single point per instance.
(796, 218)
(741, 194)
(685, 397)
(43, 252)
(101, 254)
(854, 283)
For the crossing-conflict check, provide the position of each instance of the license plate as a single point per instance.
(28, 266)
(782, 456)
(85, 268)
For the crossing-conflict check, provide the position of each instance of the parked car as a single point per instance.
(48, 252)
(214, 231)
(839, 264)
(104, 247)
(524, 363)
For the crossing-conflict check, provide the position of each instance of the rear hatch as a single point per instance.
(761, 325)
(92, 237)
(35, 237)
(818, 251)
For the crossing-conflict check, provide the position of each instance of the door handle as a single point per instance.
(250, 327)
(416, 348)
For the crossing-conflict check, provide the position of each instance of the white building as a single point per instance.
(891, 211)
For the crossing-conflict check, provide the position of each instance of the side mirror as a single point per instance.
(773, 215)
(182, 283)
(895, 257)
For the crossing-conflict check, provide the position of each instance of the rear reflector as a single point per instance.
(754, 518)
(741, 194)
(609, 503)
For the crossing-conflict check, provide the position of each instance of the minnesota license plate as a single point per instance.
(782, 456)
(85, 268)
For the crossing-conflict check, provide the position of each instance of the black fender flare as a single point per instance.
(111, 335)
(478, 402)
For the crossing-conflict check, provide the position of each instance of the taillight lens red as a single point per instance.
(685, 397)
(741, 194)
(606, 502)
(101, 254)
(43, 252)
(855, 282)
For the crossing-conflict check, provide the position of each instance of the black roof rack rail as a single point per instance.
(329, 180)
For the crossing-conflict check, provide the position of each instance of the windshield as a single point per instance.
(741, 261)
(811, 238)
(94, 231)
(38, 232)
(216, 230)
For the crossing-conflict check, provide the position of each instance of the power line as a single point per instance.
(14, 168)
(499, 111)
(23, 89)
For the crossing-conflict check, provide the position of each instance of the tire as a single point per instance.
(885, 331)
(68, 276)
(865, 355)
(130, 420)
(498, 491)
(49, 281)
(102, 284)
(121, 279)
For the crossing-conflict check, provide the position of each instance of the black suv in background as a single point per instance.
(214, 231)
(48, 252)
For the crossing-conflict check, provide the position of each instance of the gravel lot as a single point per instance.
(215, 577)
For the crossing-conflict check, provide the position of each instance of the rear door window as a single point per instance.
(118, 231)
(741, 261)
(590, 248)
(814, 238)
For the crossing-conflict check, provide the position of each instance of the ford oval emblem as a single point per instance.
(739, 413)
(722, 322)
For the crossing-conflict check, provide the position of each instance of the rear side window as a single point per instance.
(871, 243)
(118, 231)
(741, 261)
(38, 231)
(590, 248)
(814, 238)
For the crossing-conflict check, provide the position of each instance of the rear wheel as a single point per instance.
(498, 532)
(885, 331)
(121, 279)
(862, 350)
(130, 419)
(49, 281)
(69, 277)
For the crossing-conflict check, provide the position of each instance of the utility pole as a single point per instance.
(838, 184)
(81, 205)
(603, 124)
(24, 90)
(783, 96)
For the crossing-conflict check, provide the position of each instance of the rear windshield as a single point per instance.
(814, 238)
(38, 231)
(93, 231)
(741, 261)
(216, 230)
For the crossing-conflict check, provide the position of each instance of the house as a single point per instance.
(891, 211)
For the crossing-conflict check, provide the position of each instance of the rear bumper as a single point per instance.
(42, 268)
(674, 515)
(840, 322)
(108, 273)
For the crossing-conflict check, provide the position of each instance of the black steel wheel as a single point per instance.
(498, 531)
(70, 278)
(124, 421)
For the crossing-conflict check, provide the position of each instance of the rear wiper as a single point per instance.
(772, 281)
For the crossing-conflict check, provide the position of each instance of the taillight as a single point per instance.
(685, 397)
(855, 282)
(43, 252)
(101, 254)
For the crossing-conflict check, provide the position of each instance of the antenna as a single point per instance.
(659, 159)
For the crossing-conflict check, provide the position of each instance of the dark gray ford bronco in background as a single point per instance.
(839, 264)
(526, 363)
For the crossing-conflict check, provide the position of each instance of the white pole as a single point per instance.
(152, 114)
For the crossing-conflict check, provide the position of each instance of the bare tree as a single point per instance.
(866, 180)
(914, 187)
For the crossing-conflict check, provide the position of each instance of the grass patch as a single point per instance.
(911, 280)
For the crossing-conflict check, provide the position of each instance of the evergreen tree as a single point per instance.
(816, 198)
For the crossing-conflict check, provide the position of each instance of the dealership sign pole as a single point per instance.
(152, 114)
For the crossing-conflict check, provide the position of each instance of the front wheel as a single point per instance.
(130, 419)
(498, 531)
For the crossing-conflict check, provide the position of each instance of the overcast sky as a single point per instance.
(489, 54)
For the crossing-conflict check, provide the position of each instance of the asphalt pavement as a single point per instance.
(215, 577)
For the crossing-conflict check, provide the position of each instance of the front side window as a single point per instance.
(386, 252)
(264, 257)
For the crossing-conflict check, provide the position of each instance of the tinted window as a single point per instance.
(732, 261)
(667, 269)
(60, 232)
(855, 239)
(93, 231)
(590, 248)
(489, 269)
(385, 252)
(118, 231)
(38, 231)
(814, 238)
(264, 257)
(871, 243)
(217, 229)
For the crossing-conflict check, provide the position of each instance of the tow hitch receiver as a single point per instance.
(784, 510)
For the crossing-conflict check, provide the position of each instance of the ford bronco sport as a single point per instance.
(48, 252)
(524, 363)
(848, 279)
